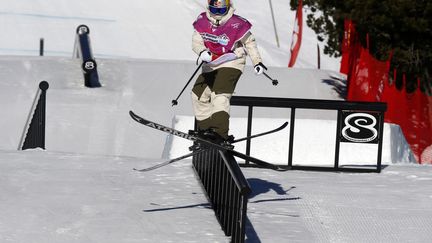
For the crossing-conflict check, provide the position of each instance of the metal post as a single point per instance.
(41, 47)
(274, 24)
(337, 146)
(249, 132)
(380, 141)
(291, 138)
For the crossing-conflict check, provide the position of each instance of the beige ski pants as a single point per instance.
(211, 99)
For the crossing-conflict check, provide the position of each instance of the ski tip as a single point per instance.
(282, 168)
(134, 116)
(139, 170)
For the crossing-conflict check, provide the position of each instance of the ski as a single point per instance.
(201, 150)
(169, 161)
(203, 142)
(261, 134)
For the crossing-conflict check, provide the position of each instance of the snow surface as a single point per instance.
(159, 29)
(83, 188)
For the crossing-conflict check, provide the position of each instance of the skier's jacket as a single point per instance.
(227, 37)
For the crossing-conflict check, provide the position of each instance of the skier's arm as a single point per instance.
(251, 47)
(198, 43)
(199, 48)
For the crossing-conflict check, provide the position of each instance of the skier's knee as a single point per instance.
(221, 102)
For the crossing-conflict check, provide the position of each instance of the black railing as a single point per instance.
(34, 131)
(372, 109)
(227, 189)
(83, 50)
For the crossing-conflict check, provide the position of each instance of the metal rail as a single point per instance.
(376, 108)
(227, 189)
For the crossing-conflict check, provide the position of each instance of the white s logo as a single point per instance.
(360, 128)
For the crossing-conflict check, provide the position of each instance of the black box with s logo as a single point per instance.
(360, 127)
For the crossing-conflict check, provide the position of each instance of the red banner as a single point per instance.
(426, 155)
(390, 95)
(413, 113)
(367, 79)
(419, 123)
(411, 130)
(297, 35)
(348, 45)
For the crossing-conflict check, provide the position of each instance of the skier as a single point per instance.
(222, 40)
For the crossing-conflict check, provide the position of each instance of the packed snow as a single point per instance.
(82, 187)
(153, 30)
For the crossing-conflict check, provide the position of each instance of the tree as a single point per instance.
(401, 26)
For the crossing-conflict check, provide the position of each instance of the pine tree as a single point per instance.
(401, 26)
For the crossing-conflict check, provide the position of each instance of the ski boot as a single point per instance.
(196, 146)
(228, 142)
(215, 137)
(211, 136)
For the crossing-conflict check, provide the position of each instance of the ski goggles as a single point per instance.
(218, 11)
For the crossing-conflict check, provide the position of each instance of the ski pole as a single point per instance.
(274, 81)
(174, 102)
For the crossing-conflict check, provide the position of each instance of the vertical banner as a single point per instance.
(400, 104)
(297, 34)
(347, 47)
(418, 125)
(425, 139)
(426, 156)
(366, 82)
(389, 95)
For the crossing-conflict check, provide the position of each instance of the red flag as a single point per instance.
(297, 34)
(426, 156)
(390, 95)
(367, 79)
(400, 103)
(358, 80)
(425, 132)
(412, 128)
(348, 42)
(417, 129)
